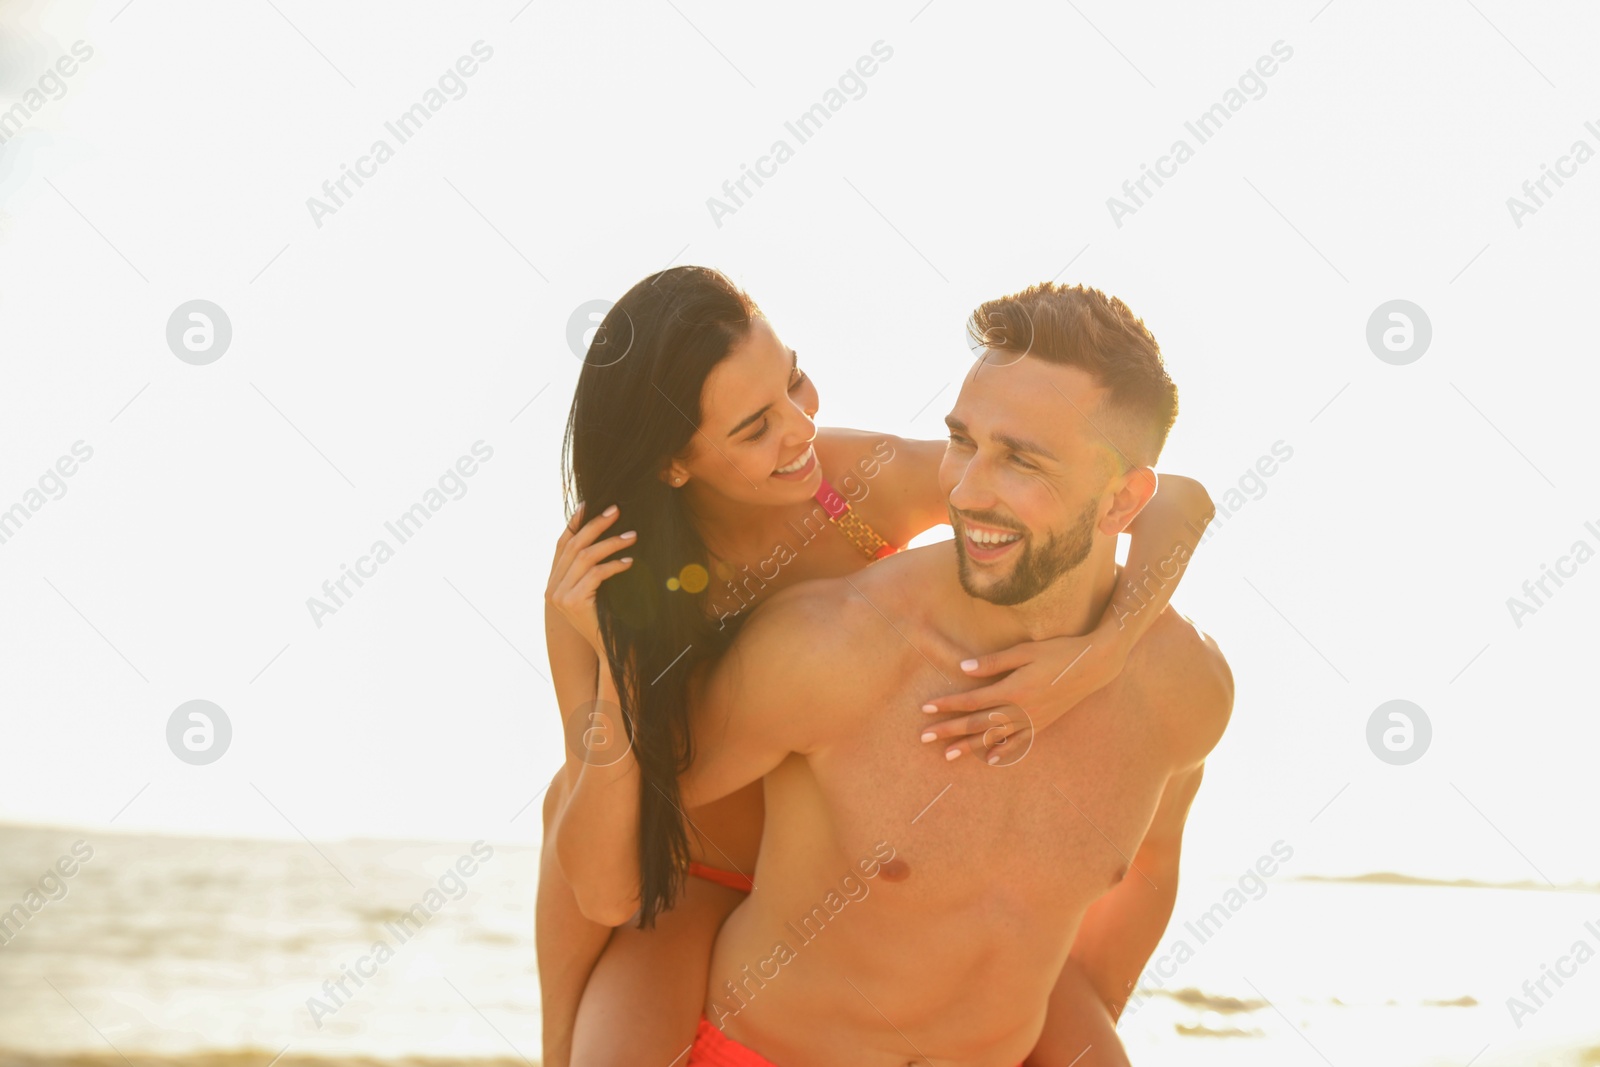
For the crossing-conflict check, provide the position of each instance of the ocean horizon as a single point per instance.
(216, 952)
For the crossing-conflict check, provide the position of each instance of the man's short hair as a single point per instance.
(1076, 326)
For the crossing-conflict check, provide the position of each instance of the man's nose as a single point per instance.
(971, 492)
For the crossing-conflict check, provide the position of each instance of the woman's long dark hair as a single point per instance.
(636, 406)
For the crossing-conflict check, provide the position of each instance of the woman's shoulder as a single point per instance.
(845, 453)
(892, 481)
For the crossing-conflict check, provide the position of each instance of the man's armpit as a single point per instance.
(1172, 812)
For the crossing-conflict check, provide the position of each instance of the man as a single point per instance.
(910, 909)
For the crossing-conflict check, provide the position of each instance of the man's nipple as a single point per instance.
(896, 870)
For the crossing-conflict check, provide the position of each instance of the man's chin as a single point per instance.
(979, 582)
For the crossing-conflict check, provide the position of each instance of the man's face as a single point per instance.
(1025, 475)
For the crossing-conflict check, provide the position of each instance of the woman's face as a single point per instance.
(754, 442)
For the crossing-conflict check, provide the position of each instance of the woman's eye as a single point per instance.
(798, 380)
(759, 434)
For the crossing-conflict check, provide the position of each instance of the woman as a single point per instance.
(691, 426)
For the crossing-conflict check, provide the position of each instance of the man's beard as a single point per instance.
(1038, 567)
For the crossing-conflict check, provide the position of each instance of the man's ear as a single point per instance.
(1132, 494)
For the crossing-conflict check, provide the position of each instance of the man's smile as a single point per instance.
(985, 544)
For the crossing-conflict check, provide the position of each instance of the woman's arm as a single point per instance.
(1163, 538)
(1045, 679)
(573, 672)
(595, 831)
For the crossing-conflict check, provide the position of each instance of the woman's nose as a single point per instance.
(807, 412)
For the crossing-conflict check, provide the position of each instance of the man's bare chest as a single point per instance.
(1059, 818)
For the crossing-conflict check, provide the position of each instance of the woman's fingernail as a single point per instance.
(930, 707)
(612, 510)
(969, 664)
(929, 736)
(952, 753)
(627, 559)
(630, 533)
(994, 759)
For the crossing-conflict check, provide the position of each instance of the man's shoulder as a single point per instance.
(813, 627)
(812, 657)
(801, 606)
(821, 615)
(856, 619)
(1179, 670)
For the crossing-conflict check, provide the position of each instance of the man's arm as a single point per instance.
(771, 693)
(744, 719)
(1185, 680)
(1122, 930)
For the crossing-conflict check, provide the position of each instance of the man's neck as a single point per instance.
(1071, 607)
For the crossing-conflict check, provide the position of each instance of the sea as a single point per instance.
(200, 951)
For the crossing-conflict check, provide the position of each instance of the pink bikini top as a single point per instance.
(852, 525)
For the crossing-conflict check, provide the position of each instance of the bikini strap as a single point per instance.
(852, 525)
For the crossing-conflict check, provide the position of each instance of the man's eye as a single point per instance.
(1024, 464)
(958, 441)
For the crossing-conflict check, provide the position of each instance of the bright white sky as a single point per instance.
(430, 311)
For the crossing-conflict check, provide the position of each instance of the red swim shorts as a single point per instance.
(713, 1048)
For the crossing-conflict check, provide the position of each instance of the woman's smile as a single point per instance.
(800, 468)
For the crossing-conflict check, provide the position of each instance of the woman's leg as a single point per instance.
(624, 996)
(568, 944)
(1079, 1030)
(646, 995)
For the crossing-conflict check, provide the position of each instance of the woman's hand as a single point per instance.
(1043, 681)
(578, 570)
